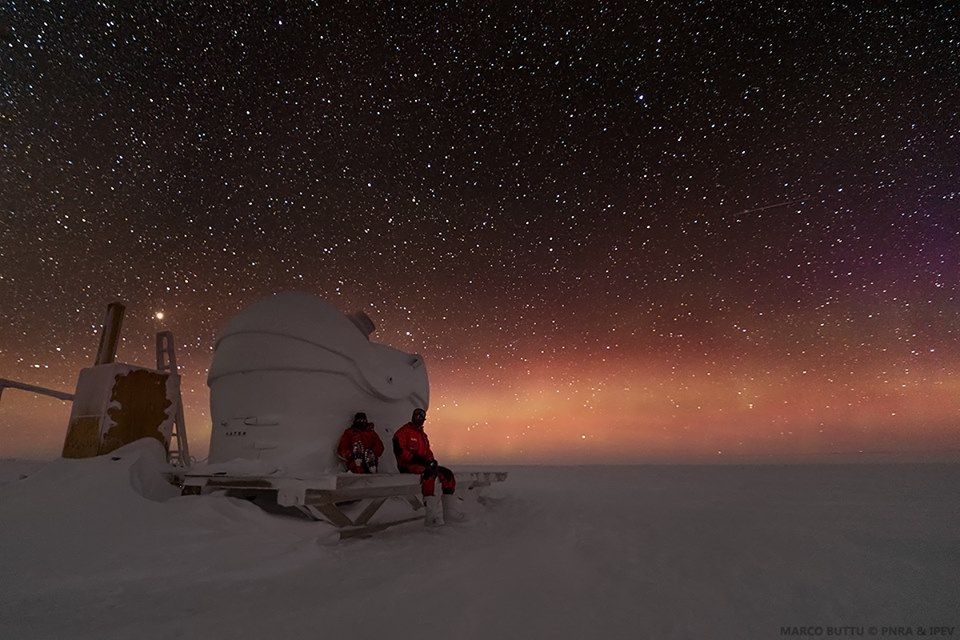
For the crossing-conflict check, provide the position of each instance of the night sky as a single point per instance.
(616, 232)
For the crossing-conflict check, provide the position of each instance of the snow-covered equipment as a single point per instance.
(115, 404)
(288, 374)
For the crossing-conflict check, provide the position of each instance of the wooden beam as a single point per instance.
(368, 512)
(235, 483)
(13, 384)
(334, 515)
(373, 528)
(355, 480)
(326, 496)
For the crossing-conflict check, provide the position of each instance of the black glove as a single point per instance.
(431, 469)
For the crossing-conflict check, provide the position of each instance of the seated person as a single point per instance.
(360, 447)
(412, 449)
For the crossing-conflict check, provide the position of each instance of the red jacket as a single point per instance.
(412, 448)
(360, 449)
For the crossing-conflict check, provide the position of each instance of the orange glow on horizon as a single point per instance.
(617, 411)
(628, 413)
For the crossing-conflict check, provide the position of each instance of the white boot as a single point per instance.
(434, 516)
(451, 508)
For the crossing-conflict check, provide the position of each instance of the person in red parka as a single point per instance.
(412, 448)
(360, 447)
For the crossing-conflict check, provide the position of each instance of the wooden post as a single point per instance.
(110, 334)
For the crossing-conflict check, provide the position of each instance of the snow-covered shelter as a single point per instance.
(288, 374)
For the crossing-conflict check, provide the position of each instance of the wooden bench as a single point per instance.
(348, 501)
(324, 497)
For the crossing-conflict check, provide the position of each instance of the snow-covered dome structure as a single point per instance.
(288, 374)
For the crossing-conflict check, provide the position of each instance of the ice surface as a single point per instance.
(564, 552)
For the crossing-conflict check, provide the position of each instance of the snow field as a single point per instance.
(102, 548)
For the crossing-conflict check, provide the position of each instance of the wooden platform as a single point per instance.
(346, 500)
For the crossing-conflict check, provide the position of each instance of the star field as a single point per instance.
(615, 232)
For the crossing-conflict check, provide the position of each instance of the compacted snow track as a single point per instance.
(562, 552)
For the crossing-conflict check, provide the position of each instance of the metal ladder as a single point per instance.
(179, 453)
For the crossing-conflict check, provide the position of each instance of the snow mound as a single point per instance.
(118, 481)
(113, 519)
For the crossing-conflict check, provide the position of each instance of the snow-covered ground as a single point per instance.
(13, 469)
(568, 552)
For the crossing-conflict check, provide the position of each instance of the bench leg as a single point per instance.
(373, 528)
(332, 513)
(368, 512)
(338, 518)
(358, 526)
